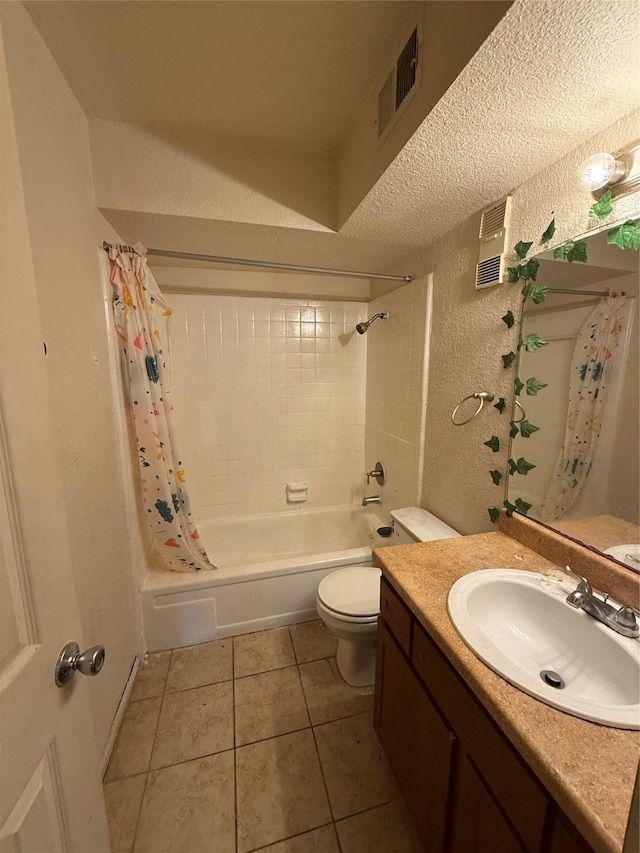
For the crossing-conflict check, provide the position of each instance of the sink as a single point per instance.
(627, 554)
(520, 625)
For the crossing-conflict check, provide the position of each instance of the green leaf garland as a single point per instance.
(549, 232)
(508, 359)
(493, 443)
(571, 251)
(501, 405)
(538, 294)
(603, 207)
(527, 429)
(510, 508)
(519, 385)
(521, 466)
(509, 319)
(533, 386)
(496, 476)
(523, 506)
(513, 431)
(625, 236)
(522, 248)
(494, 514)
(533, 342)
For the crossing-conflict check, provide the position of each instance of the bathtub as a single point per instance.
(269, 567)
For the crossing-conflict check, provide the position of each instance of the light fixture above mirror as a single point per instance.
(618, 172)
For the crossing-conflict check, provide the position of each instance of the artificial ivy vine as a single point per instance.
(625, 236)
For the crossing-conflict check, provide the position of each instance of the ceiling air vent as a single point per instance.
(494, 226)
(401, 82)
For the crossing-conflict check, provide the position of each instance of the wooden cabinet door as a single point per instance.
(478, 823)
(565, 838)
(418, 744)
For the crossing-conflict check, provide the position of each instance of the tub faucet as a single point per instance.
(371, 499)
(622, 621)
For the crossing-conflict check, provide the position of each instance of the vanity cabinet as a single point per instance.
(466, 787)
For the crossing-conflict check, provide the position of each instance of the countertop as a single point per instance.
(599, 531)
(589, 769)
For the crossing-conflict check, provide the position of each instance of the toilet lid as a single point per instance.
(352, 592)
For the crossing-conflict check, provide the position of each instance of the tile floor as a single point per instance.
(252, 744)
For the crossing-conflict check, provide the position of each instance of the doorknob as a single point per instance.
(70, 660)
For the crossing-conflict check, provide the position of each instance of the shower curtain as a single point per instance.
(590, 377)
(142, 323)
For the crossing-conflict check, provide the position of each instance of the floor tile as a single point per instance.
(151, 677)
(269, 704)
(195, 666)
(194, 723)
(328, 696)
(312, 641)
(357, 774)
(321, 840)
(123, 799)
(280, 790)
(263, 651)
(189, 808)
(386, 829)
(134, 743)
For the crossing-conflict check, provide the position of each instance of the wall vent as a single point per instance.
(400, 85)
(494, 227)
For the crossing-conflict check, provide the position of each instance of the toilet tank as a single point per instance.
(413, 524)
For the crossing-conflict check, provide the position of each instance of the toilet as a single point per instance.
(348, 600)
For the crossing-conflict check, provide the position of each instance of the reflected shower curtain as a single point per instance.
(591, 369)
(142, 323)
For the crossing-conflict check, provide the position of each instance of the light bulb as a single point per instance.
(600, 170)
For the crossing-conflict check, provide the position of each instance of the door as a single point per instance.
(50, 787)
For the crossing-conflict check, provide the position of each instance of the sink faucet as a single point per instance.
(622, 621)
(372, 499)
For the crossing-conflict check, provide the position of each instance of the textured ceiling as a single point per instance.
(550, 75)
(283, 72)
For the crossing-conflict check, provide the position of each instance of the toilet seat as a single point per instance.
(352, 594)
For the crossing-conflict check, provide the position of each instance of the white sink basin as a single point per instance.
(520, 625)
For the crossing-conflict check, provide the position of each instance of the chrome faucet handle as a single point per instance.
(583, 586)
(626, 617)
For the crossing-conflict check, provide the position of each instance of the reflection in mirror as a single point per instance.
(585, 483)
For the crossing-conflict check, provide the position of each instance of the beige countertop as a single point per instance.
(599, 531)
(589, 769)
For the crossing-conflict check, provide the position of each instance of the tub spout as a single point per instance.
(371, 499)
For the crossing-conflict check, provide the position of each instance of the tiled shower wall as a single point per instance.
(268, 391)
(396, 393)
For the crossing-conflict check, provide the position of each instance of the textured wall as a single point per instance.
(468, 335)
(395, 393)
(211, 178)
(268, 391)
(56, 170)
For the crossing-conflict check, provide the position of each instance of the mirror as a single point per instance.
(585, 483)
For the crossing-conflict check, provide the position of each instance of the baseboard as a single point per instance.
(117, 719)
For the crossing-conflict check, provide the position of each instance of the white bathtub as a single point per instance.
(269, 568)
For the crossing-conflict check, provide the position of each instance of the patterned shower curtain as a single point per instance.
(591, 373)
(142, 323)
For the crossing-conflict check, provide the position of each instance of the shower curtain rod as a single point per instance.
(247, 262)
(571, 292)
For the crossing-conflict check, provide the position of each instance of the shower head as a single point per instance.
(361, 328)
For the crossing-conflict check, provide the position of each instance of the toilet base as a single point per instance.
(356, 661)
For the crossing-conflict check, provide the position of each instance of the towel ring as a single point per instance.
(481, 396)
(524, 414)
